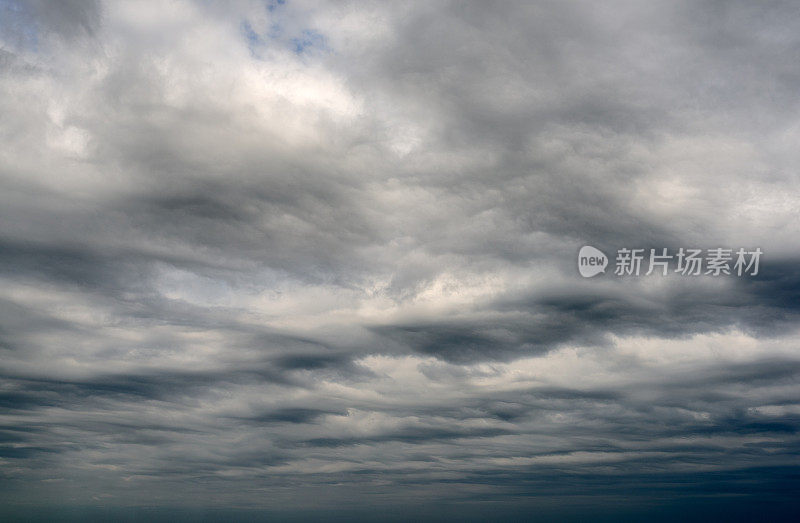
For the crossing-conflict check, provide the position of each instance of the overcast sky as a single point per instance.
(310, 259)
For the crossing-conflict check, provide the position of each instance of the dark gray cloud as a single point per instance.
(290, 260)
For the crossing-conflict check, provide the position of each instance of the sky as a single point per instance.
(318, 260)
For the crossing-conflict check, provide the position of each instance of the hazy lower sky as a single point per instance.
(318, 260)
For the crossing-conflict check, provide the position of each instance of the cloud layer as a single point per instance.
(291, 257)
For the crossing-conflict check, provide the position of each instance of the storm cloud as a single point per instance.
(297, 260)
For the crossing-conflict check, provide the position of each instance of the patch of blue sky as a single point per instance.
(281, 33)
(17, 26)
(309, 39)
(274, 4)
(249, 33)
